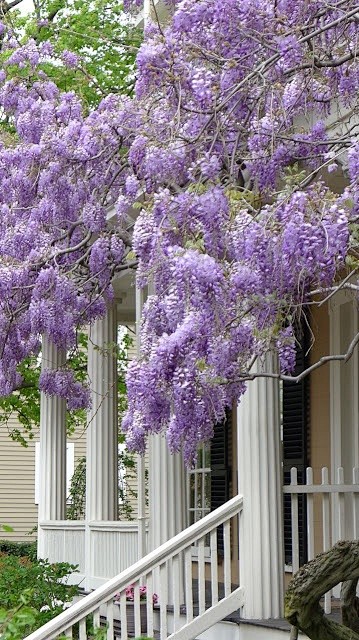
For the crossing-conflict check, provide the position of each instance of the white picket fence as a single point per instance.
(332, 513)
(161, 571)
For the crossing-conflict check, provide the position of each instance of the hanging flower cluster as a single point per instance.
(241, 111)
(241, 222)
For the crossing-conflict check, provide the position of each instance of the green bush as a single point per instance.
(19, 549)
(31, 593)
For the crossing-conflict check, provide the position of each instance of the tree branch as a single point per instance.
(311, 582)
(343, 357)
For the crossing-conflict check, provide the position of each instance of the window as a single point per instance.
(199, 485)
(209, 481)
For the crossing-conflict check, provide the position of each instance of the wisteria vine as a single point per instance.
(241, 145)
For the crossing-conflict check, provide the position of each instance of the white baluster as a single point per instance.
(188, 584)
(227, 557)
(149, 606)
(310, 515)
(123, 615)
(214, 567)
(109, 619)
(96, 619)
(326, 531)
(163, 601)
(341, 500)
(137, 609)
(82, 630)
(176, 591)
(295, 522)
(201, 577)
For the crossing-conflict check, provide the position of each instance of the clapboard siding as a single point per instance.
(17, 486)
(17, 482)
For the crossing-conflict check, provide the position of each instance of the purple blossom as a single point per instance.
(62, 384)
(224, 146)
(287, 350)
(70, 59)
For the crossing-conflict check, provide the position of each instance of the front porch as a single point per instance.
(320, 515)
(243, 551)
(214, 603)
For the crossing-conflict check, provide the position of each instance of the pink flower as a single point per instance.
(130, 594)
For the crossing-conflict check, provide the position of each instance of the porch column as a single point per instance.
(260, 482)
(167, 498)
(52, 458)
(101, 446)
(167, 486)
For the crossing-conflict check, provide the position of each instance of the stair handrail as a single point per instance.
(103, 594)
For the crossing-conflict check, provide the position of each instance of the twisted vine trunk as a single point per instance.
(312, 581)
(350, 605)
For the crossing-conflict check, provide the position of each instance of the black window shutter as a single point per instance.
(295, 445)
(220, 468)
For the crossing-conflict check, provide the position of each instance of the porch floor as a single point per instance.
(281, 623)
(235, 618)
(272, 623)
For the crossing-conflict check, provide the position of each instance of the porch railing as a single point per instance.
(100, 549)
(331, 513)
(206, 587)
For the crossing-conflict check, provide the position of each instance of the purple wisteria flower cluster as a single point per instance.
(243, 122)
(240, 109)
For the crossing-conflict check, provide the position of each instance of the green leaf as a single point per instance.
(6, 527)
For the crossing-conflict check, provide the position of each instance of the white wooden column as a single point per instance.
(260, 482)
(167, 486)
(102, 441)
(141, 467)
(167, 497)
(52, 458)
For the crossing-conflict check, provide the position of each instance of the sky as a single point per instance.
(26, 6)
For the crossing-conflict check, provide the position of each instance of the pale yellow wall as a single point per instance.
(17, 487)
(319, 453)
(17, 482)
(319, 394)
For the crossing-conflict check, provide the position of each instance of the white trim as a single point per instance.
(37, 472)
(336, 347)
(63, 525)
(119, 525)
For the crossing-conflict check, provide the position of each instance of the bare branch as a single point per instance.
(343, 357)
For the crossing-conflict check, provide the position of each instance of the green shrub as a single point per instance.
(15, 622)
(19, 549)
(31, 593)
